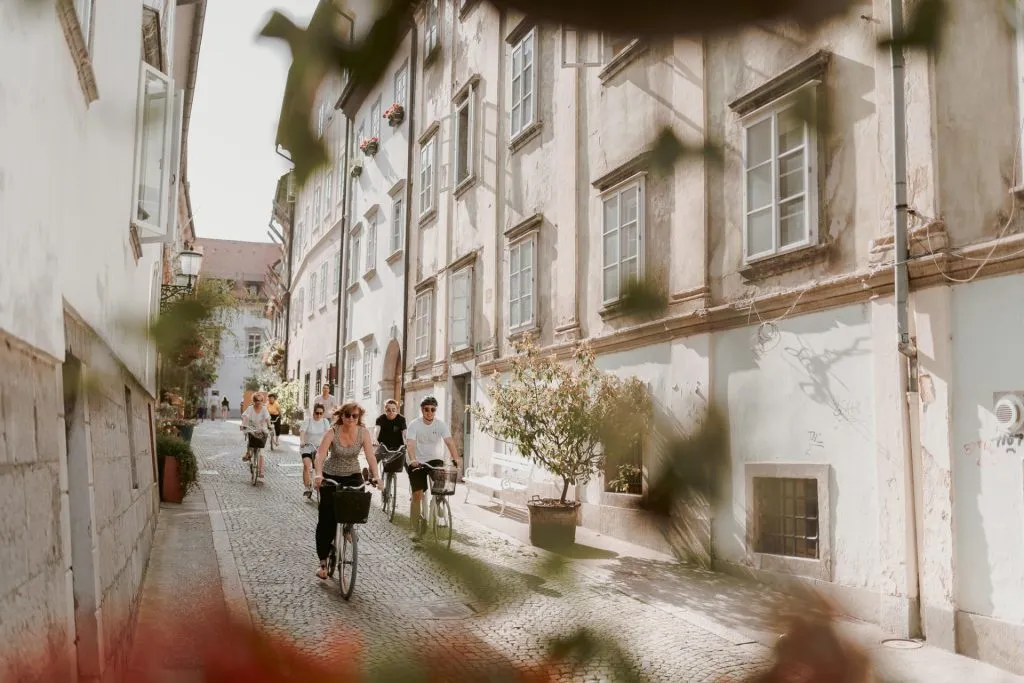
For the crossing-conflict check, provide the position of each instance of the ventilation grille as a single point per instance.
(1009, 412)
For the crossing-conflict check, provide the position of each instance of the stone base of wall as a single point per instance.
(991, 640)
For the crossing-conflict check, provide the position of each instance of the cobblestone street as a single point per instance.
(401, 596)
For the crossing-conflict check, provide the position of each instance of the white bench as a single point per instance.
(510, 488)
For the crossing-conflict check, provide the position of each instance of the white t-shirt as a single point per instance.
(329, 403)
(315, 430)
(427, 438)
(260, 420)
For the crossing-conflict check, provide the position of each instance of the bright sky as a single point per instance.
(232, 166)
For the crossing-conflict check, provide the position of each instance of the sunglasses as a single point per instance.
(318, 412)
(430, 410)
(353, 415)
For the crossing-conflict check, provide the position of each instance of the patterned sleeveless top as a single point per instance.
(343, 461)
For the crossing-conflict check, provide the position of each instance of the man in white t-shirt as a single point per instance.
(327, 401)
(423, 440)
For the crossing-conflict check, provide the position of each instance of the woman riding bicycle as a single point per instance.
(337, 459)
(390, 427)
(310, 435)
(257, 419)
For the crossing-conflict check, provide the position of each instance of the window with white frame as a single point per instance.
(353, 257)
(402, 83)
(360, 136)
(336, 280)
(312, 293)
(254, 342)
(427, 156)
(460, 316)
(300, 301)
(422, 325)
(622, 242)
(464, 115)
(156, 117)
(375, 118)
(524, 81)
(397, 223)
(367, 372)
(350, 373)
(431, 28)
(317, 208)
(323, 283)
(321, 119)
(328, 184)
(371, 243)
(521, 267)
(779, 188)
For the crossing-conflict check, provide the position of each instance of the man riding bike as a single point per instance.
(256, 417)
(424, 436)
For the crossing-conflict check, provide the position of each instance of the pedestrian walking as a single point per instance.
(201, 410)
(225, 407)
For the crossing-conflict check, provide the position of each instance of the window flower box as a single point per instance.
(395, 114)
(370, 146)
(356, 170)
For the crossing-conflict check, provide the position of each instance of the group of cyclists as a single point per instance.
(330, 448)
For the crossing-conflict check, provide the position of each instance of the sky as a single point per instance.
(232, 163)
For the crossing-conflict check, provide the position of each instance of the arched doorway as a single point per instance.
(391, 375)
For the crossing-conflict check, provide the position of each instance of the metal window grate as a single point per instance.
(787, 512)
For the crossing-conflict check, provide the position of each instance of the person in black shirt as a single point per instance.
(390, 427)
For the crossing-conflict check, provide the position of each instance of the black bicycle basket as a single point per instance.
(393, 462)
(257, 440)
(351, 507)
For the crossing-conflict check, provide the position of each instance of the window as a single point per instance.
(152, 152)
(336, 280)
(350, 373)
(464, 113)
(353, 257)
(358, 139)
(397, 224)
(459, 326)
(402, 84)
(375, 118)
(305, 391)
(431, 28)
(252, 289)
(520, 284)
(317, 208)
(427, 176)
(319, 378)
(308, 223)
(623, 237)
(254, 340)
(623, 469)
(367, 372)
(371, 243)
(779, 190)
(422, 325)
(524, 81)
(300, 301)
(312, 293)
(323, 283)
(328, 183)
(321, 119)
(129, 415)
(787, 516)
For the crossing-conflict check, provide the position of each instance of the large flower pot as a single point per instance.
(552, 523)
(185, 431)
(171, 491)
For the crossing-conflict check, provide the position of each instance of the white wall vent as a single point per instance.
(1009, 412)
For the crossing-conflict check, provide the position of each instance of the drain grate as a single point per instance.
(902, 643)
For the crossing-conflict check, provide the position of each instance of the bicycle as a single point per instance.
(255, 440)
(390, 463)
(442, 485)
(311, 491)
(351, 507)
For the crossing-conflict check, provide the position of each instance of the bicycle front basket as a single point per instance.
(393, 462)
(258, 440)
(351, 507)
(442, 481)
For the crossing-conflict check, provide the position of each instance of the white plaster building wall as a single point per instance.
(804, 397)
(314, 334)
(234, 365)
(987, 473)
(376, 292)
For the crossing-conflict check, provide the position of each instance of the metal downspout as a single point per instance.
(342, 330)
(410, 132)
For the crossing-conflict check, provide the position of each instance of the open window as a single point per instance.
(464, 115)
(460, 312)
(157, 156)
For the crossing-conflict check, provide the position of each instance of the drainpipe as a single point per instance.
(410, 132)
(288, 291)
(342, 263)
(908, 352)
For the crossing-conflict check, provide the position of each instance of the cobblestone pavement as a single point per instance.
(402, 597)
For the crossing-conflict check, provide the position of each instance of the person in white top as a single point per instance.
(326, 401)
(258, 417)
(424, 436)
(310, 435)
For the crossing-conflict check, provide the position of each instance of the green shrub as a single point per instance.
(169, 446)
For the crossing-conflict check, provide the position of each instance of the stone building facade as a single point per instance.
(92, 186)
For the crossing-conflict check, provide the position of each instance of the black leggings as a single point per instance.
(326, 525)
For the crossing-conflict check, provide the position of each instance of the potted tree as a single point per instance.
(564, 417)
(288, 399)
(176, 465)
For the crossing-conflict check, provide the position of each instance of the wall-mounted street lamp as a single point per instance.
(189, 262)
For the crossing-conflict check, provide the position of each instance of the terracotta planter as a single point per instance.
(552, 524)
(171, 491)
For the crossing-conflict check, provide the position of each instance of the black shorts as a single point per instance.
(419, 478)
(307, 454)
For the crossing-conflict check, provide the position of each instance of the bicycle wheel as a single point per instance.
(391, 496)
(348, 562)
(440, 509)
(254, 465)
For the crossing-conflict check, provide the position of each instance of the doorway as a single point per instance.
(462, 421)
(391, 376)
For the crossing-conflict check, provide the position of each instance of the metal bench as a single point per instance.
(510, 488)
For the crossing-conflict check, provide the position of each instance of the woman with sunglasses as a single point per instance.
(310, 435)
(337, 459)
(257, 416)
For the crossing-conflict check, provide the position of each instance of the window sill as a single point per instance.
(521, 333)
(427, 217)
(430, 56)
(79, 46)
(353, 287)
(396, 255)
(524, 136)
(630, 501)
(794, 566)
(612, 310)
(777, 264)
(620, 61)
(463, 352)
(323, 306)
(463, 186)
(370, 274)
(467, 7)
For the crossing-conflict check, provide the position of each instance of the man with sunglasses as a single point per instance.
(424, 436)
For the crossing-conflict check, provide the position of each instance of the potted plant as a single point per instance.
(630, 480)
(395, 114)
(177, 467)
(356, 170)
(288, 399)
(369, 146)
(564, 417)
(171, 420)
